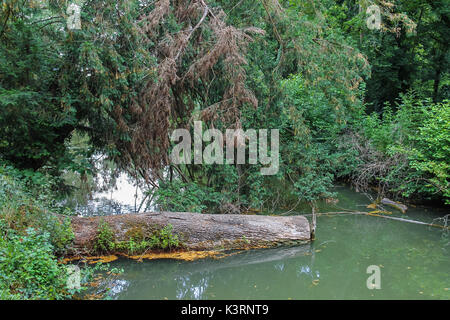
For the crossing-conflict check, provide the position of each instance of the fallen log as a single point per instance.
(198, 231)
(397, 205)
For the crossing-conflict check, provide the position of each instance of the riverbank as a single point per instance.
(141, 233)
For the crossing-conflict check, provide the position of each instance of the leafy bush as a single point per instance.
(105, 238)
(166, 238)
(412, 146)
(31, 237)
(25, 203)
(29, 269)
(431, 153)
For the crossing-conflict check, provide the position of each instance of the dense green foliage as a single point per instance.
(29, 269)
(365, 106)
(26, 202)
(32, 238)
(314, 69)
(412, 144)
(311, 77)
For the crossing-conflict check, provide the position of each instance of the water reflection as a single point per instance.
(205, 279)
(279, 266)
(188, 289)
(118, 286)
(414, 262)
(121, 198)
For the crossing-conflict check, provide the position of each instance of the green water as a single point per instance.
(414, 261)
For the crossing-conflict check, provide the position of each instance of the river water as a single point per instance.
(414, 263)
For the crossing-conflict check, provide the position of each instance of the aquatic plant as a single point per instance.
(138, 241)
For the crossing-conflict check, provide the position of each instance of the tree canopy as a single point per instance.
(138, 69)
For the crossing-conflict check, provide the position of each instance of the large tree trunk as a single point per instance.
(199, 231)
